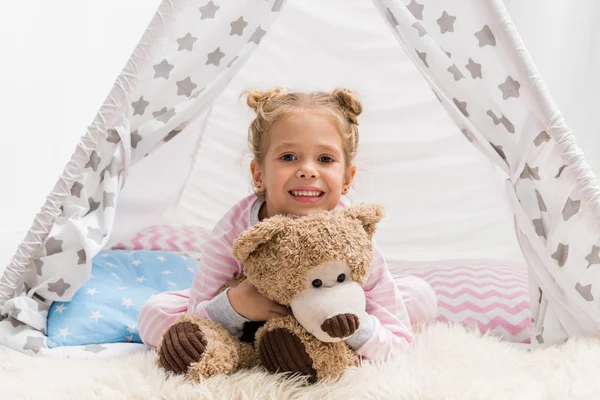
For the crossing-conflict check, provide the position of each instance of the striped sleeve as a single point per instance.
(385, 305)
(216, 267)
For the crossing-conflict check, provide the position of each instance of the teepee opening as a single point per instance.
(459, 140)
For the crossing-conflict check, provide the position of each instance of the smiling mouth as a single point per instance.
(306, 193)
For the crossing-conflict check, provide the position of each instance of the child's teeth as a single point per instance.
(305, 193)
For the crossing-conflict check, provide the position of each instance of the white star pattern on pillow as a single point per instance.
(64, 332)
(107, 309)
(96, 315)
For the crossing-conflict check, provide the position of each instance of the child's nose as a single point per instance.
(307, 171)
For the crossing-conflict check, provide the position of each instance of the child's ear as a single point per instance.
(349, 176)
(369, 215)
(259, 234)
(257, 176)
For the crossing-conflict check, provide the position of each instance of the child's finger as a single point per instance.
(279, 309)
(273, 314)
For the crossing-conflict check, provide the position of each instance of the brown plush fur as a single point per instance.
(278, 254)
(248, 356)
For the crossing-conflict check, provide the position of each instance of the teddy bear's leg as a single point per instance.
(281, 350)
(199, 348)
(248, 356)
(283, 345)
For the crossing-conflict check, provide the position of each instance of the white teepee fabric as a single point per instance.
(482, 74)
(151, 102)
(468, 52)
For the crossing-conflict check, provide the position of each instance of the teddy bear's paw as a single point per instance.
(183, 345)
(281, 351)
(341, 326)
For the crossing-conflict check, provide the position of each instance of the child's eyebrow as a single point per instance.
(321, 147)
(284, 145)
(328, 148)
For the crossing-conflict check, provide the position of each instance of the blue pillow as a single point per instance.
(105, 309)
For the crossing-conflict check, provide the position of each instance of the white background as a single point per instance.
(59, 60)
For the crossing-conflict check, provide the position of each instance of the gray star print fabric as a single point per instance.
(184, 60)
(477, 67)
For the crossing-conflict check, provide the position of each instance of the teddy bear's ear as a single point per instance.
(261, 233)
(369, 214)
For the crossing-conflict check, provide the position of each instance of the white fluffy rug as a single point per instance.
(446, 363)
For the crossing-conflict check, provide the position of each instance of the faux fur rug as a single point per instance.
(446, 363)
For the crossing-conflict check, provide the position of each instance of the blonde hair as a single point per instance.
(341, 106)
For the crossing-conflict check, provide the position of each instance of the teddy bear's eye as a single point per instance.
(317, 283)
(341, 278)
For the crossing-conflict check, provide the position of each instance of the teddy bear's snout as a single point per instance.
(341, 325)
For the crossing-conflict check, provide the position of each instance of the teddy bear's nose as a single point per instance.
(341, 325)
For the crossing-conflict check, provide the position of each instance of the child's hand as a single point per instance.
(250, 304)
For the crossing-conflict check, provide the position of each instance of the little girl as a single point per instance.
(304, 145)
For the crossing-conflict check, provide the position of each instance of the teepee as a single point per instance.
(165, 145)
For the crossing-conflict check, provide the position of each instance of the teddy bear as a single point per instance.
(317, 266)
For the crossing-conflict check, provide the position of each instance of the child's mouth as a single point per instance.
(306, 196)
(306, 193)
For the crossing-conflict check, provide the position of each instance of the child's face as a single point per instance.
(304, 167)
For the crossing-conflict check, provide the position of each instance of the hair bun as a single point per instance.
(349, 102)
(256, 99)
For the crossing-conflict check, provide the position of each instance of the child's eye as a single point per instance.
(287, 157)
(326, 159)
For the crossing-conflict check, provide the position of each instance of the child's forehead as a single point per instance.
(316, 131)
(306, 119)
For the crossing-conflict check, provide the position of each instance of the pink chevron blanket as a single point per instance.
(489, 295)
